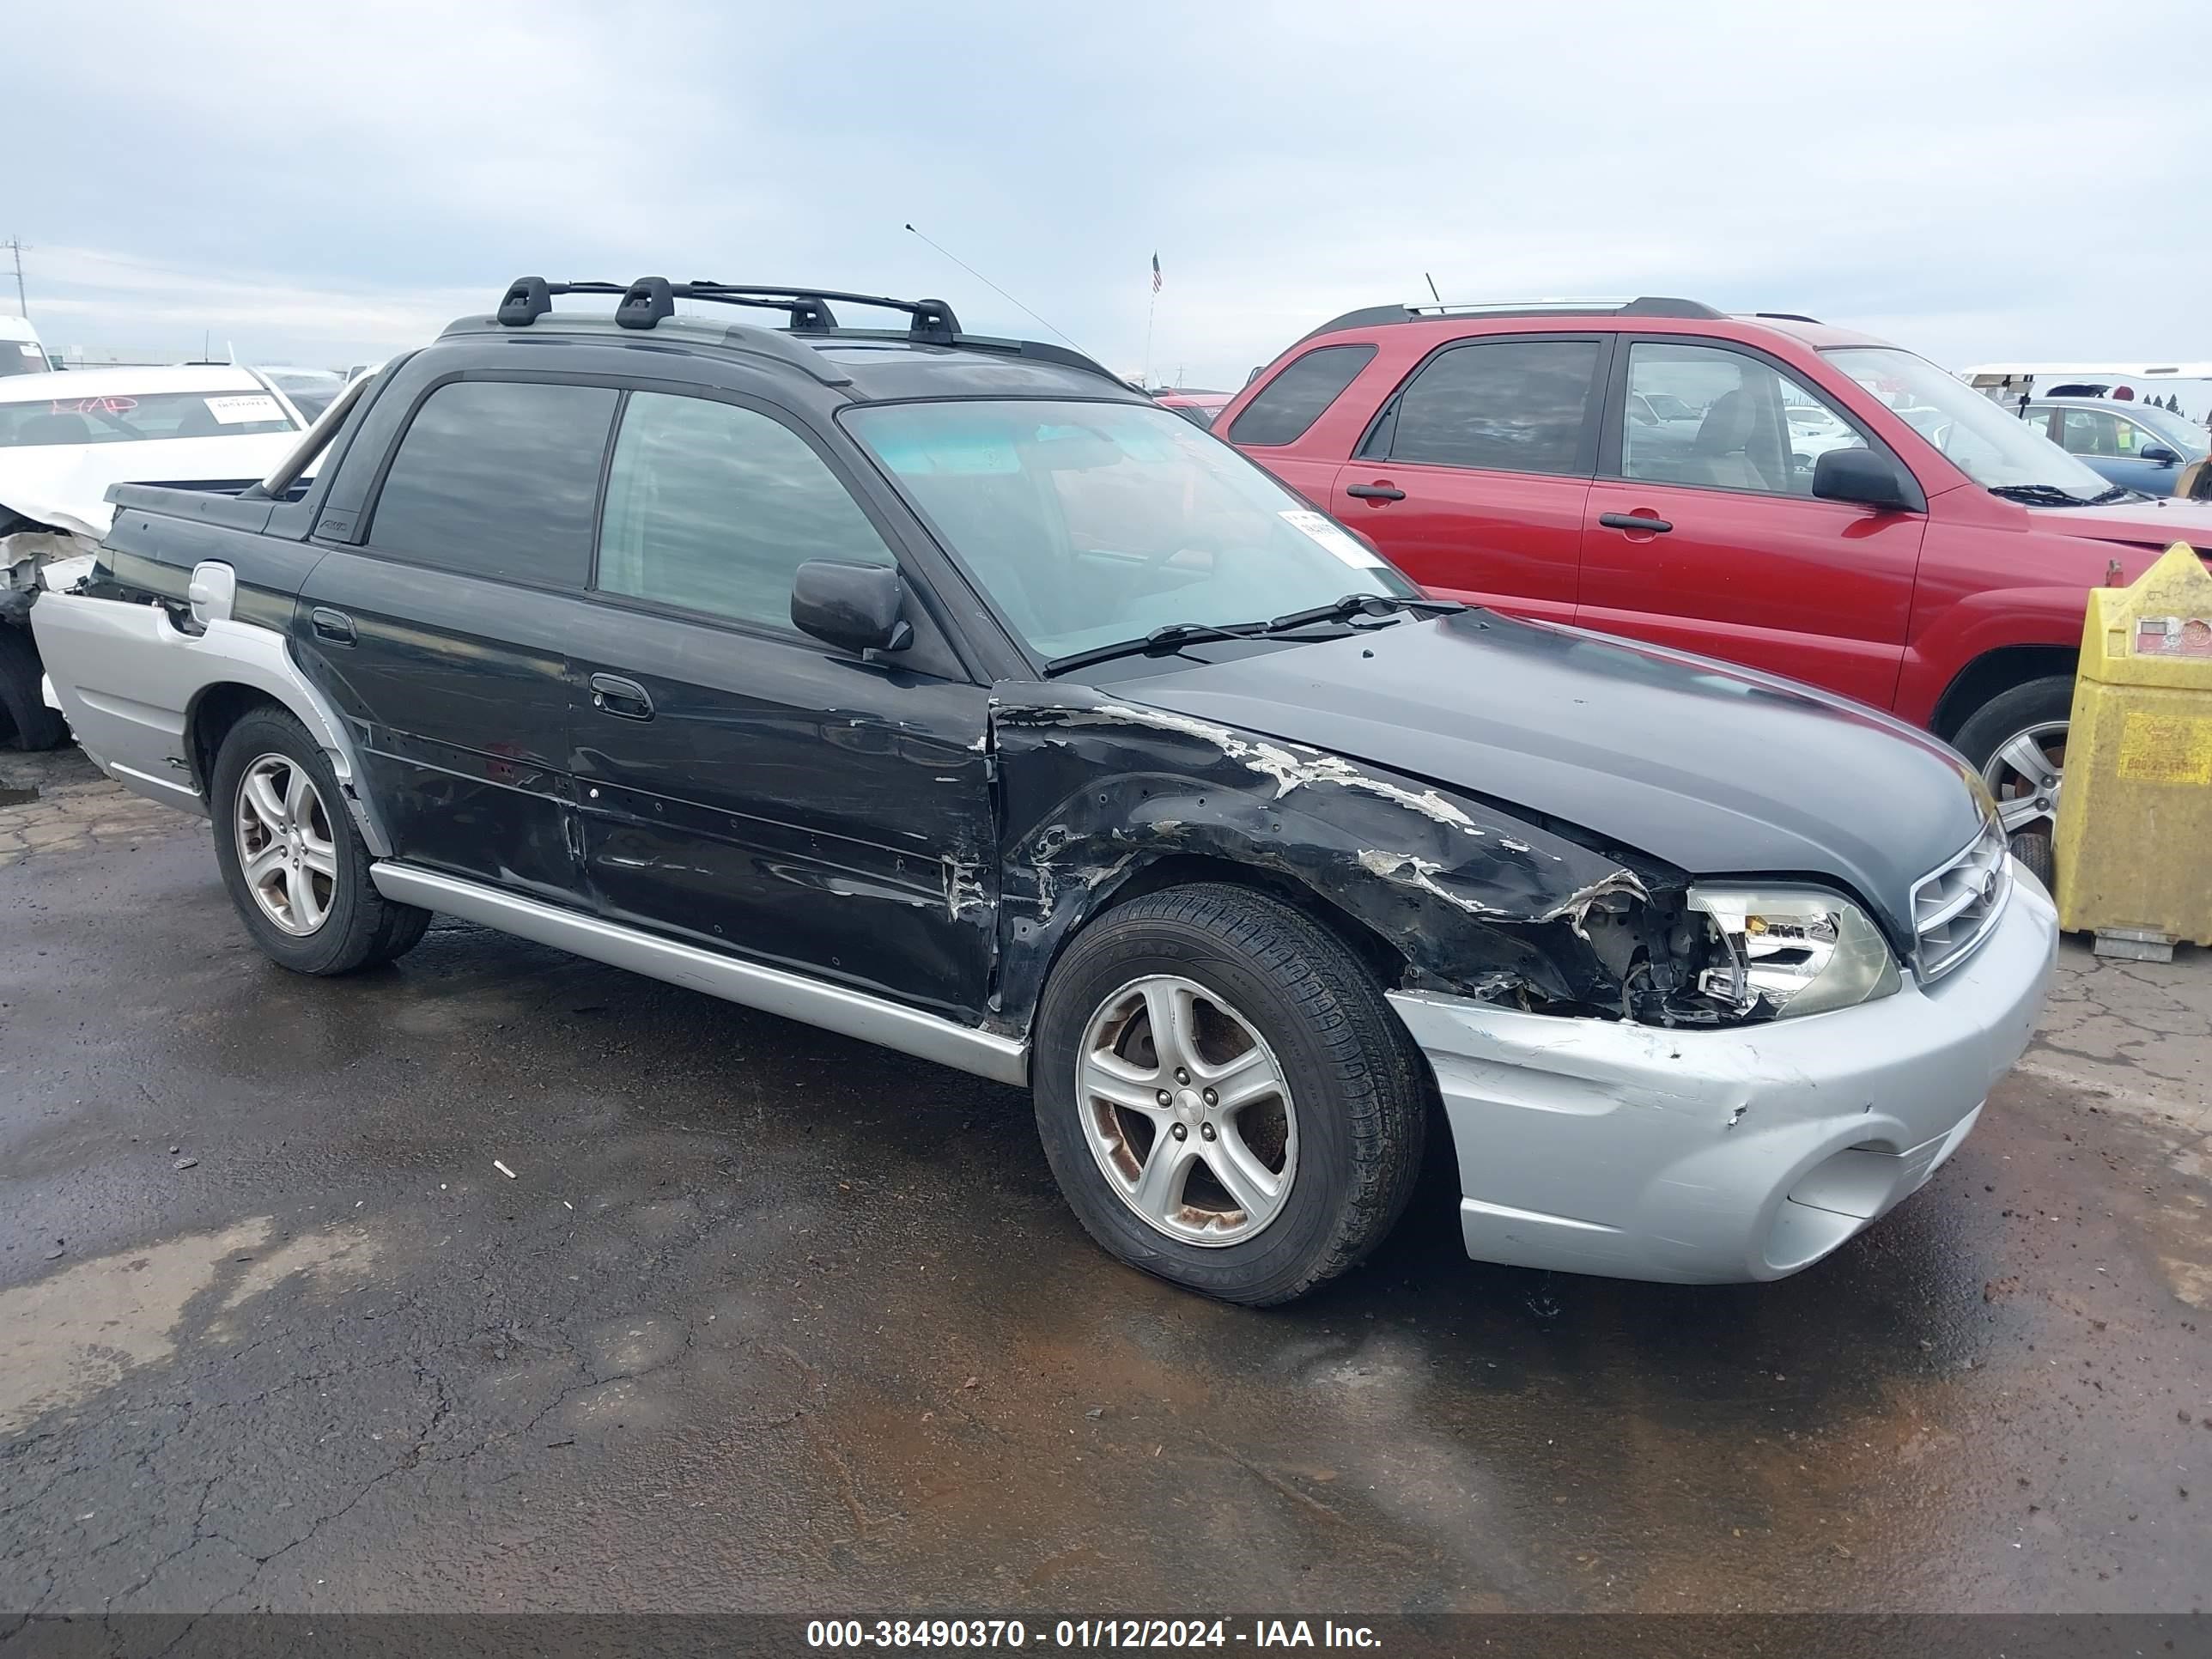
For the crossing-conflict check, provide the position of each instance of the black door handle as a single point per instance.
(1375, 492)
(1634, 521)
(332, 625)
(625, 699)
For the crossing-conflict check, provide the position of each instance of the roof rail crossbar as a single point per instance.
(933, 320)
(1786, 317)
(650, 299)
(529, 298)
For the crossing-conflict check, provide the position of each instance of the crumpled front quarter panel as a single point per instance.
(1095, 788)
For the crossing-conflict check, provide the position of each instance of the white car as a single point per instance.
(65, 438)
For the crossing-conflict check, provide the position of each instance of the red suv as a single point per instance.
(1765, 490)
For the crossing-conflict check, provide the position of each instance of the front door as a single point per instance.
(750, 789)
(1474, 477)
(443, 639)
(1707, 535)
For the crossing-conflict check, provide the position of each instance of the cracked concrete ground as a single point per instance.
(768, 1320)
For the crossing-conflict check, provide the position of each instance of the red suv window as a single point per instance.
(1508, 405)
(1295, 399)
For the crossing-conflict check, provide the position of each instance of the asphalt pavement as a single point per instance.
(764, 1319)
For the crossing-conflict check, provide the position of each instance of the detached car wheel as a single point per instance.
(25, 722)
(1224, 1096)
(296, 868)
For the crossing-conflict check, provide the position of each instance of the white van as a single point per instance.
(21, 351)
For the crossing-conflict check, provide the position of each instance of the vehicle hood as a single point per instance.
(1716, 769)
(2159, 522)
(65, 486)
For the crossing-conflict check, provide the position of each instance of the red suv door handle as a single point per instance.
(1649, 526)
(1375, 492)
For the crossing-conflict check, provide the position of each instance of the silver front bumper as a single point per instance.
(1702, 1156)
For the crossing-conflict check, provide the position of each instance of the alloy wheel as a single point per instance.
(2024, 773)
(285, 848)
(1187, 1110)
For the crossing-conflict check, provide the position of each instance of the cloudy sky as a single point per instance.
(322, 184)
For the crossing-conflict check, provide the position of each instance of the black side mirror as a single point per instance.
(2160, 455)
(1867, 479)
(854, 606)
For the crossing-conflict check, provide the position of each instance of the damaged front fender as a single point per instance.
(1095, 789)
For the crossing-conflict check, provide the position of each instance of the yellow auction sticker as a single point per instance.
(2165, 749)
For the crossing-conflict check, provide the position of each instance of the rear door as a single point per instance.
(1472, 476)
(442, 636)
(1705, 534)
(746, 787)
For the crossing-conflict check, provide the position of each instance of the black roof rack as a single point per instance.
(1787, 317)
(1648, 305)
(650, 301)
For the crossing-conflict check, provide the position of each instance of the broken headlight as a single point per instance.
(1800, 950)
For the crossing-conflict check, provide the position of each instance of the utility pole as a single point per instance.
(15, 246)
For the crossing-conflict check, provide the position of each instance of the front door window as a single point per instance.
(1707, 415)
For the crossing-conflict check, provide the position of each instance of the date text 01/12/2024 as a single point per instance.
(1086, 1633)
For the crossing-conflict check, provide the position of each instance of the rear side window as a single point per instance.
(498, 478)
(714, 507)
(1283, 408)
(1507, 405)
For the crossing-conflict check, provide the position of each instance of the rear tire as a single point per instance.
(1264, 992)
(25, 722)
(319, 914)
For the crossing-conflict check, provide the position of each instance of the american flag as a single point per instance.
(1156, 273)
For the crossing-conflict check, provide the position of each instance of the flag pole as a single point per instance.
(1149, 312)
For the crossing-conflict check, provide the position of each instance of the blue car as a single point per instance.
(2124, 440)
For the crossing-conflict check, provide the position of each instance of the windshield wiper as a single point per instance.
(2043, 495)
(1174, 636)
(1170, 637)
(1362, 604)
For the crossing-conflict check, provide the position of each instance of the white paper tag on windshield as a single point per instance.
(29, 349)
(245, 407)
(1346, 548)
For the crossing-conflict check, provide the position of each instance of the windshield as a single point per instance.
(1088, 524)
(2183, 434)
(121, 419)
(1989, 444)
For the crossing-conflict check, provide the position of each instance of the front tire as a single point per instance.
(1224, 1096)
(295, 862)
(2017, 742)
